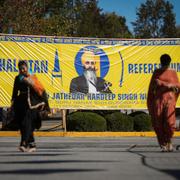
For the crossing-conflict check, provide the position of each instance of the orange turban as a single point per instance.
(88, 56)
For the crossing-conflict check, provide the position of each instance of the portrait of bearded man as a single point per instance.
(88, 82)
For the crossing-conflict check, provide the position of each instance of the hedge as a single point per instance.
(142, 122)
(133, 114)
(119, 122)
(101, 112)
(86, 122)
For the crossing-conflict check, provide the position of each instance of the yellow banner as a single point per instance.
(86, 73)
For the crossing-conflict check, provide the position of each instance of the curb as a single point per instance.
(85, 134)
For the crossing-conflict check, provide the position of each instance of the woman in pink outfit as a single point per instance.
(163, 93)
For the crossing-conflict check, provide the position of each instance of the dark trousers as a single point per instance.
(26, 126)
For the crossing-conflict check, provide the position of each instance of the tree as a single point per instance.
(155, 18)
(169, 28)
(40, 17)
(1, 24)
(91, 22)
(88, 19)
(82, 18)
(178, 30)
(21, 16)
(58, 18)
(114, 26)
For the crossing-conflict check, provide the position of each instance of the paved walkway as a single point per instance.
(89, 159)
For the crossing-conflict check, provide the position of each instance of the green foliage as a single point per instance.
(85, 121)
(136, 113)
(119, 122)
(89, 24)
(178, 31)
(155, 18)
(58, 18)
(62, 18)
(93, 23)
(114, 26)
(177, 111)
(169, 28)
(101, 112)
(142, 122)
(21, 16)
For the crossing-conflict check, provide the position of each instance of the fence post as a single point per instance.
(64, 119)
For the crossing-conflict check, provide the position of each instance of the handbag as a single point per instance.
(9, 122)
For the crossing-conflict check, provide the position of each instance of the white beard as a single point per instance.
(90, 75)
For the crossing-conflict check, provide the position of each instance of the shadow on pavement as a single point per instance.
(56, 161)
(172, 172)
(47, 171)
(35, 154)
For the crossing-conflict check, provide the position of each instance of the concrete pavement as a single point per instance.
(89, 159)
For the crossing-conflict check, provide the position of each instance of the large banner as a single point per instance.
(86, 73)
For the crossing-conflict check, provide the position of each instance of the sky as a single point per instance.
(127, 8)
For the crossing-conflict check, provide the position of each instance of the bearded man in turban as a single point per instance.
(88, 82)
